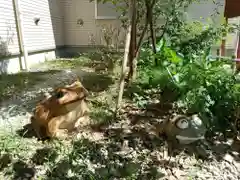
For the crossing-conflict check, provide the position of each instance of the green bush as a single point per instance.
(210, 91)
(198, 85)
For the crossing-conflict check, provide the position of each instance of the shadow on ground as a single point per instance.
(16, 169)
(13, 83)
(99, 62)
(126, 151)
(27, 131)
(216, 147)
(103, 61)
(119, 154)
(85, 159)
(96, 82)
(29, 87)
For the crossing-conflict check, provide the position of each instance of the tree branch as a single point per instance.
(145, 26)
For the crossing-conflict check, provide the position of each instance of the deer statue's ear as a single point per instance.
(85, 91)
(78, 82)
(77, 79)
(82, 92)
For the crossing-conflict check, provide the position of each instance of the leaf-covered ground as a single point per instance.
(126, 147)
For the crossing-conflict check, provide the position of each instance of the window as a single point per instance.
(106, 11)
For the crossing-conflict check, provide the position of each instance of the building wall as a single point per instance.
(14, 63)
(90, 32)
(41, 39)
(57, 17)
(76, 35)
(8, 33)
(46, 34)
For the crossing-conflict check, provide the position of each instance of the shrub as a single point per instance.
(198, 86)
(208, 90)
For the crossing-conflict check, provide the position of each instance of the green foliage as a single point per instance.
(188, 38)
(199, 85)
(200, 43)
(207, 90)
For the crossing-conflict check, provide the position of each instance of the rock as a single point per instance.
(179, 174)
(228, 158)
(172, 178)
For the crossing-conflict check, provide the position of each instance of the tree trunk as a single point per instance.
(139, 44)
(133, 44)
(152, 29)
(124, 65)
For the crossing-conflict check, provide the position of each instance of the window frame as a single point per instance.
(102, 17)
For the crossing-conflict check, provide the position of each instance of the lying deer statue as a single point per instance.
(63, 112)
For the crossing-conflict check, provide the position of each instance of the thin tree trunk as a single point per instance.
(152, 29)
(139, 44)
(153, 37)
(132, 53)
(133, 60)
(124, 69)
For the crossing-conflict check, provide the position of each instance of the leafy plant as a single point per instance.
(200, 43)
(197, 84)
(207, 90)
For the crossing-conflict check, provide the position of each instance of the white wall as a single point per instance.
(45, 35)
(12, 65)
(8, 33)
(41, 36)
(76, 35)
